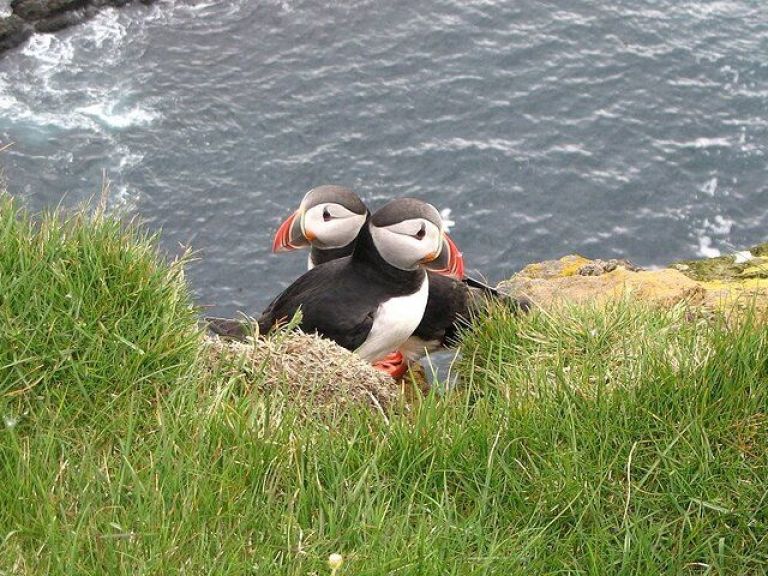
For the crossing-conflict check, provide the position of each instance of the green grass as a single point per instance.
(617, 441)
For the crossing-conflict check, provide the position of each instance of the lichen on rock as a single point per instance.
(565, 266)
(728, 267)
(715, 284)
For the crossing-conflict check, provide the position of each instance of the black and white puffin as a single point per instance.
(449, 299)
(372, 301)
(328, 221)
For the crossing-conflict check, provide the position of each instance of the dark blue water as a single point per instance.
(615, 129)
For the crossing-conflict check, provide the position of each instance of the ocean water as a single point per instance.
(623, 129)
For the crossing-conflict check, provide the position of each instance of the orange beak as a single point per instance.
(289, 235)
(449, 262)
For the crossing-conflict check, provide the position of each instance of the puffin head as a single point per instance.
(328, 217)
(409, 233)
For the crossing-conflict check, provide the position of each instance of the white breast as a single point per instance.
(393, 322)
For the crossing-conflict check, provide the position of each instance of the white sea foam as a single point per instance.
(19, 111)
(49, 51)
(112, 115)
(706, 249)
(705, 10)
(697, 143)
(106, 31)
(53, 100)
(103, 113)
(696, 82)
(7, 102)
(720, 225)
(201, 6)
(710, 187)
(709, 142)
(121, 198)
(172, 11)
(508, 147)
(130, 159)
(445, 214)
(742, 256)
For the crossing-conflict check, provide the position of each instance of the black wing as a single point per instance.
(447, 309)
(334, 301)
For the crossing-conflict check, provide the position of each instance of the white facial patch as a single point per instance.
(331, 225)
(393, 322)
(406, 244)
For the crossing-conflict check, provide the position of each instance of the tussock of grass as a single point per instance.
(88, 308)
(319, 372)
(617, 441)
(644, 423)
(591, 349)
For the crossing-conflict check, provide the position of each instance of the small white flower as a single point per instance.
(10, 421)
(335, 561)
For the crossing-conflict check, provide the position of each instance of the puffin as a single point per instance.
(330, 237)
(372, 301)
(328, 221)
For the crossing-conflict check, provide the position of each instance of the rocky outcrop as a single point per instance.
(29, 16)
(13, 31)
(736, 281)
(744, 265)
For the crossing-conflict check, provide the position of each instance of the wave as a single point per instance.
(49, 51)
(113, 115)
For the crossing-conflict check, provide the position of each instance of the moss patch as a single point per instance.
(725, 267)
(760, 250)
(564, 267)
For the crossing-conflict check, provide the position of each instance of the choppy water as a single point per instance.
(615, 129)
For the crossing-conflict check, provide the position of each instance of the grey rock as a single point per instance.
(60, 21)
(599, 267)
(37, 9)
(30, 16)
(13, 31)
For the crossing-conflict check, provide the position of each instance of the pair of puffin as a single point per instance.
(388, 285)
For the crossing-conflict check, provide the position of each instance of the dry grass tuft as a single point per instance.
(314, 370)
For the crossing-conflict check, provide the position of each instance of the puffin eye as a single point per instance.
(326, 214)
(422, 232)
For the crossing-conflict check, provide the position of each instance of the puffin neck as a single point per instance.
(326, 255)
(365, 252)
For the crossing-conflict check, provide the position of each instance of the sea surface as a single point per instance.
(617, 129)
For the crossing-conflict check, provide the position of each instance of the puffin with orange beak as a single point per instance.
(328, 221)
(329, 238)
(372, 301)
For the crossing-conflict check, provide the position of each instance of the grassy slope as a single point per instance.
(619, 441)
